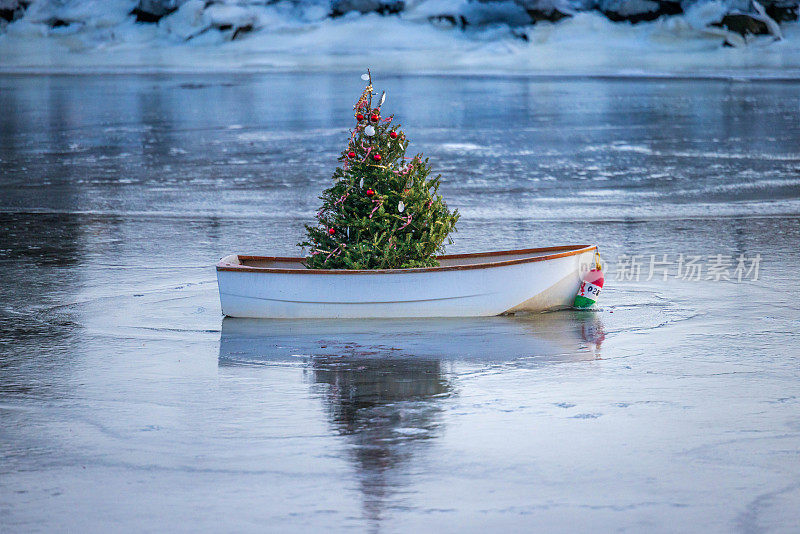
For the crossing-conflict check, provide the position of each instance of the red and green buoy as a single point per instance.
(591, 285)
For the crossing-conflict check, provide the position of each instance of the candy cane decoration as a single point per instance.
(342, 199)
(378, 203)
(331, 254)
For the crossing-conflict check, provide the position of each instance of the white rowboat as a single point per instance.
(464, 285)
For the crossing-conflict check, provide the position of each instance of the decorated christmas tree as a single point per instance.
(383, 210)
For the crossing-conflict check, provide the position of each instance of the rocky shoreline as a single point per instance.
(735, 21)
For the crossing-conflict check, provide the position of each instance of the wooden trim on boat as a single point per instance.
(570, 250)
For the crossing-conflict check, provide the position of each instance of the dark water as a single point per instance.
(128, 403)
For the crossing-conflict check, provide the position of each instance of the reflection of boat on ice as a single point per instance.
(560, 335)
(385, 382)
(464, 285)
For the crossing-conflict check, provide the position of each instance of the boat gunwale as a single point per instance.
(570, 250)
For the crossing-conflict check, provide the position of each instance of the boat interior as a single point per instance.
(450, 260)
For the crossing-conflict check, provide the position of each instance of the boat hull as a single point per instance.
(460, 290)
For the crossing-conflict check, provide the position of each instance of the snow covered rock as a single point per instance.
(487, 12)
(744, 24)
(445, 13)
(477, 13)
(383, 7)
(751, 21)
(187, 22)
(226, 20)
(155, 10)
(736, 21)
(74, 15)
(226, 16)
(11, 10)
(638, 10)
(782, 10)
(549, 10)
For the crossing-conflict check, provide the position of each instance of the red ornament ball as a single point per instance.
(351, 154)
(374, 118)
(393, 135)
(360, 117)
(376, 157)
(331, 231)
(370, 192)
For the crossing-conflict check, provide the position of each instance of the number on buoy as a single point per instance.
(591, 285)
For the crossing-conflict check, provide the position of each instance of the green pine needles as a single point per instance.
(383, 210)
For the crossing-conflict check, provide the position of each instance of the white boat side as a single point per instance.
(464, 285)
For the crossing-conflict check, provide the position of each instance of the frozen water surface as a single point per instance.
(128, 403)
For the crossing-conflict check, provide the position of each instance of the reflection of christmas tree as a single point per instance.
(387, 408)
(383, 211)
